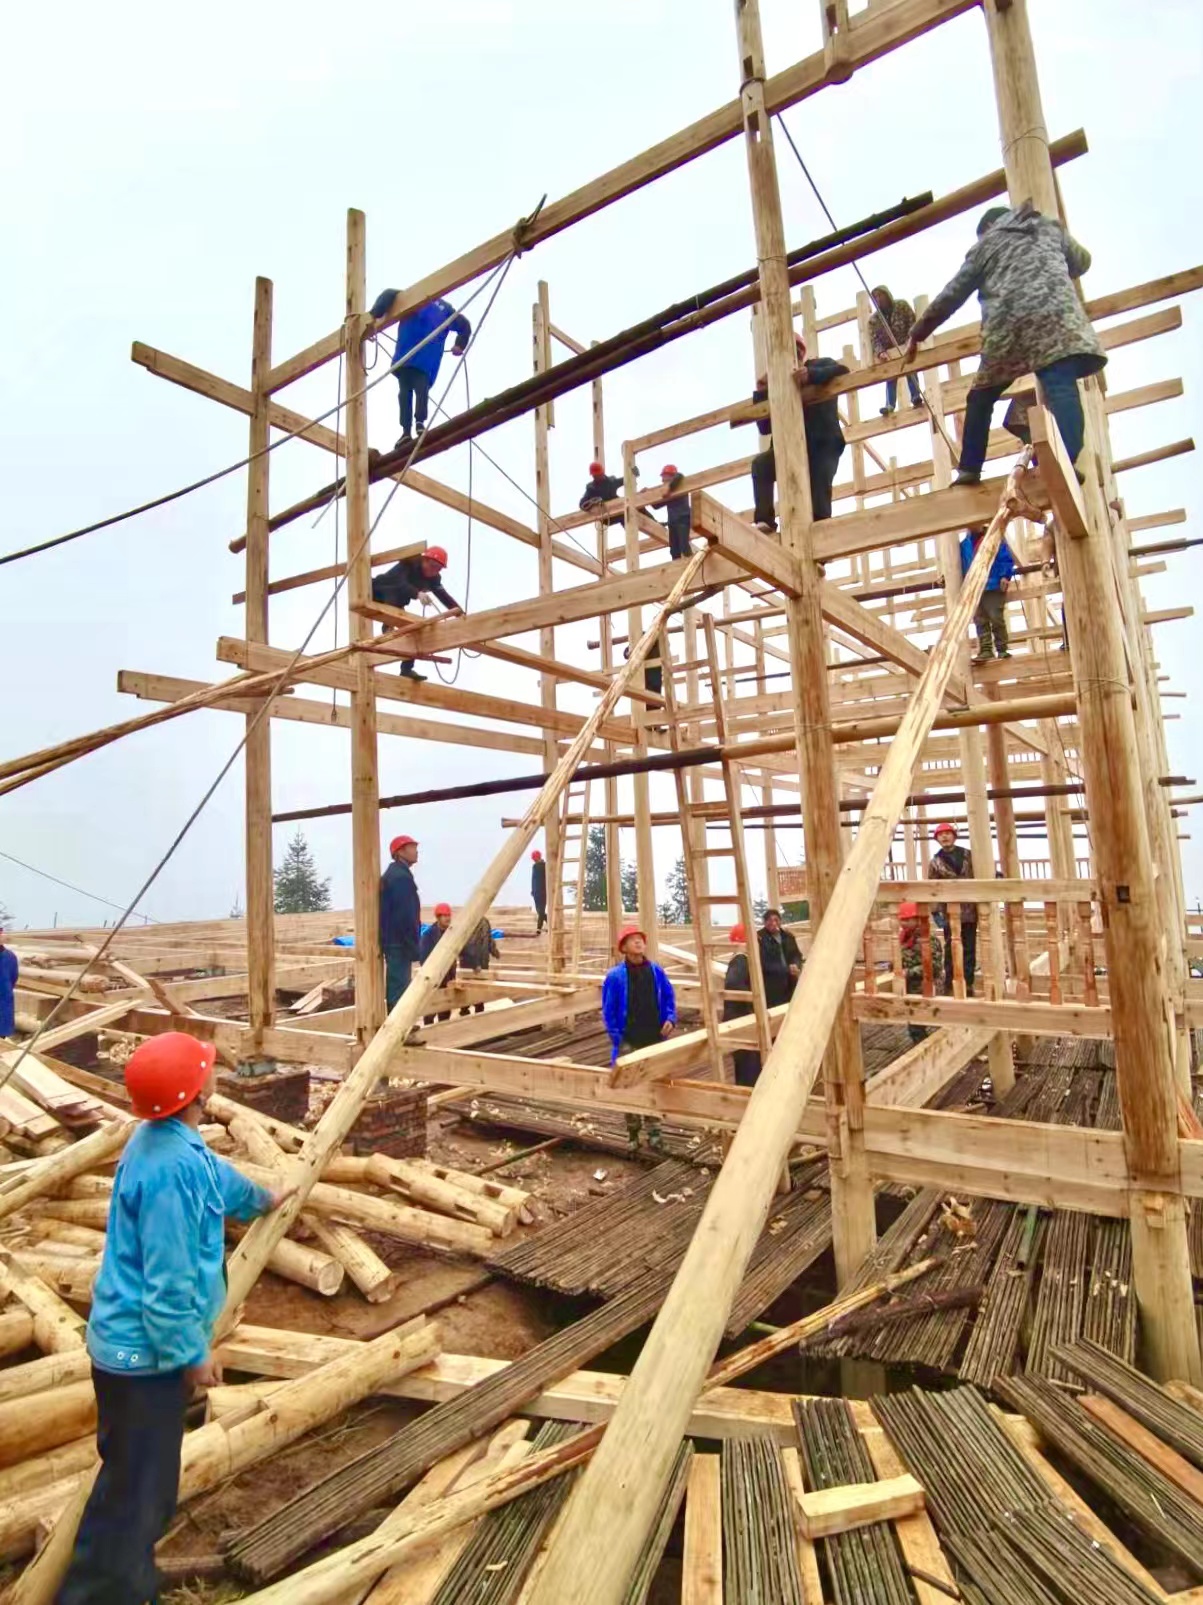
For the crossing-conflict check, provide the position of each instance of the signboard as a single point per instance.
(791, 883)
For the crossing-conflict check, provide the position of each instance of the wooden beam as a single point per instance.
(826, 1512)
(302, 710)
(927, 1068)
(745, 545)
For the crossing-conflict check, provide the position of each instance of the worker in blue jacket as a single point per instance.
(400, 918)
(419, 351)
(639, 1006)
(155, 1303)
(990, 620)
(9, 969)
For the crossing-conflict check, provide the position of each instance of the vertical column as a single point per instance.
(854, 1229)
(645, 863)
(365, 779)
(772, 864)
(973, 765)
(1140, 1004)
(260, 887)
(613, 839)
(694, 778)
(544, 419)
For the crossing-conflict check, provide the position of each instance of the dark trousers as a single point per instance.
(541, 913)
(397, 972)
(1060, 384)
(968, 954)
(140, 1427)
(990, 621)
(747, 1067)
(472, 974)
(892, 390)
(824, 460)
(413, 392)
(678, 537)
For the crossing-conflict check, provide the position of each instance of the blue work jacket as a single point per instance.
(1002, 568)
(413, 329)
(9, 969)
(400, 910)
(162, 1280)
(614, 1001)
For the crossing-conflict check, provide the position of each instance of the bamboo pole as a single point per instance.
(610, 1511)
(341, 1114)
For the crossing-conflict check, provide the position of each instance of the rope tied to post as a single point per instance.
(522, 228)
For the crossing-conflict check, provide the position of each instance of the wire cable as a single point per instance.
(95, 896)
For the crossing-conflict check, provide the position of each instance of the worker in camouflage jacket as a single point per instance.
(1023, 268)
(889, 329)
(909, 936)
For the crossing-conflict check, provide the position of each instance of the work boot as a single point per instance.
(403, 439)
(408, 672)
(983, 655)
(767, 526)
(887, 412)
(968, 476)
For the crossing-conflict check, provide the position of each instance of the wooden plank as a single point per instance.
(1057, 473)
(921, 1549)
(917, 518)
(808, 1556)
(927, 1068)
(702, 1559)
(828, 1511)
(1146, 1444)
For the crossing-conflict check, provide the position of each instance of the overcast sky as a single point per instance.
(153, 162)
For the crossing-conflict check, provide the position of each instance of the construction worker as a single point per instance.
(951, 862)
(780, 959)
(431, 936)
(421, 338)
(639, 1006)
(9, 969)
(910, 932)
(475, 955)
(538, 889)
(1022, 267)
(155, 1302)
(739, 979)
(400, 918)
(990, 620)
(889, 328)
(413, 578)
(824, 441)
(677, 509)
(602, 488)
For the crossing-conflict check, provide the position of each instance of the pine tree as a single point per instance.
(597, 898)
(674, 910)
(760, 907)
(298, 889)
(630, 887)
(237, 912)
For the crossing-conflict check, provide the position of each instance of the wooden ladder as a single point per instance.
(707, 940)
(570, 879)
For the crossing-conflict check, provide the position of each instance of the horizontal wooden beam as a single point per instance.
(746, 546)
(300, 710)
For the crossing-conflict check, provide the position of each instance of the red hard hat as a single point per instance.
(942, 827)
(908, 911)
(629, 930)
(536, 855)
(165, 1074)
(597, 468)
(669, 471)
(437, 555)
(398, 842)
(442, 908)
(737, 934)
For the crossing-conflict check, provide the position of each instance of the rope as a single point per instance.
(500, 274)
(95, 896)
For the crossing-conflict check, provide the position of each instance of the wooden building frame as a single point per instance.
(867, 733)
